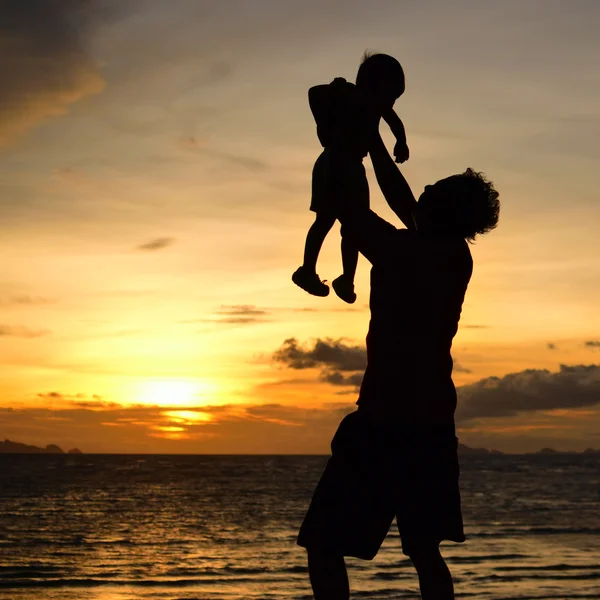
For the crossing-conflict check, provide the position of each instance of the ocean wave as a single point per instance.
(485, 557)
(539, 576)
(134, 583)
(527, 531)
(559, 567)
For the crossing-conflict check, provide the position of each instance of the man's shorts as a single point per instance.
(372, 476)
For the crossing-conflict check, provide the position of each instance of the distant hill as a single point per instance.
(10, 447)
(468, 450)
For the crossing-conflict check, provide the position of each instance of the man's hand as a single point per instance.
(401, 152)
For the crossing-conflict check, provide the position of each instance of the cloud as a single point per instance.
(236, 314)
(474, 326)
(250, 428)
(531, 390)
(325, 353)
(338, 378)
(25, 300)
(44, 68)
(552, 346)
(334, 358)
(243, 310)
(340, 363)
(458, 368)
(311, 309)
(93, 401)
(592, 344)
(245, 429)
(157, 244)
(21, 331)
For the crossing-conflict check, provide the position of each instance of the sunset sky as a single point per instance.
(155, 162)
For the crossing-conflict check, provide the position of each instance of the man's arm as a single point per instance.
(373, 236)
(394, 187)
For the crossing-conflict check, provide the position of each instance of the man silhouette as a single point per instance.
(396, 456)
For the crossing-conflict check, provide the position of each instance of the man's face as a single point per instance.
(431, 201)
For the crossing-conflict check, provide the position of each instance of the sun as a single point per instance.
(170, 392)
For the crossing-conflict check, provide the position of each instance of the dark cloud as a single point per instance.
(341, 364)
(474, 326)
(338, 378)
(552, 346)
(334, 358)
(573, 386)
(592, 344)
(325, 353)
(157, 244)
(458, 368)
(44, 67)
(21, 331)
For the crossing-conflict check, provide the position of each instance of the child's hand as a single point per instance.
(401, 152)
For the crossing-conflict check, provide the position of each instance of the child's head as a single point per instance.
(382, 76)
(464, 205)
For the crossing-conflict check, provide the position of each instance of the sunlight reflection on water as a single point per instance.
(199, 527)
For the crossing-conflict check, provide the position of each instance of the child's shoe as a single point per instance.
(309, 281)
(344, 289)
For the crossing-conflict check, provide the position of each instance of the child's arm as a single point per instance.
(319, 100)
(401, 152)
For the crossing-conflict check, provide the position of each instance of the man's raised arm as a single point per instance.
(394, 187)
(373, 236)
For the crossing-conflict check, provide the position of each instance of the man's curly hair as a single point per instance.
(481, 204)
(470, 206)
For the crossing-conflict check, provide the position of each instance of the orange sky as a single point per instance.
(155, 180)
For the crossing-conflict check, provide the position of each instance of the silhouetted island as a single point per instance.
(10, 447)
(547, 451)
(468, 450)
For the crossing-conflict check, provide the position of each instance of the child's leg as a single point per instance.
(357, 190)
(306, 276)
(314, 240)
(349, 259)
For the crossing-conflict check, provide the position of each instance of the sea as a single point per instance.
(139, 527)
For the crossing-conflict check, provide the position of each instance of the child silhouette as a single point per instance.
(347, 118)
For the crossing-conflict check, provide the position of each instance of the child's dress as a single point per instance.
(344, 123)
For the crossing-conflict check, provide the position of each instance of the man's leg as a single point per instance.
(328, 575)
(435, 579)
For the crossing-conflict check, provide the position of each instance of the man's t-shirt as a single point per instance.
(418, 284)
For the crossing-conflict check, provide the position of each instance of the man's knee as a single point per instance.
(423, 553)
(322, 557)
